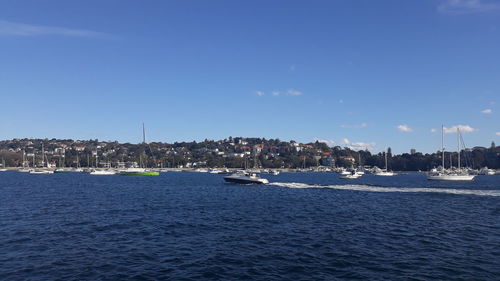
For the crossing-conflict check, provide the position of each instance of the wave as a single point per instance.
(391, 189)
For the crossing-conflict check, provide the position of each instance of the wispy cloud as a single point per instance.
(328, 142)
(467, 6)
(358, 145)
(487, 111)
(360, 126)
(462, 128)
(260, 93)
(497, 133)
(290, 92)
(404, 128)
(8, 28)
(433, 130)
(294, 93)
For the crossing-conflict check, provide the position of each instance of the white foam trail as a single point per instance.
(391, 189)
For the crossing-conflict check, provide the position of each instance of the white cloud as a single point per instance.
(462, 128)
(292, 92)
(487, 111)
(358, 145)
(433, 130)
(497, 133)
(8, 28)
(360, 126)
(259, 93)
(404, 128)
(467, 6)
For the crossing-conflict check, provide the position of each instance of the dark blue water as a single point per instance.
(192, 226)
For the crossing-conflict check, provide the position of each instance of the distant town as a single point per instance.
(237, 152)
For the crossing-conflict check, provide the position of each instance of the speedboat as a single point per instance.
(138, 172)
(450, 177)
(41, 172)
(351, 176)
(384, 173)
(102, 172)
(486, 172)
(245, 178)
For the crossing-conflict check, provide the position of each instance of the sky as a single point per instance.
(360, 74)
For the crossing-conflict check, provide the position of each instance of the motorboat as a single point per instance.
(245, 178)
(383, 173)
(486, 172)
(351, 176)
(41, 171)
(99, 172)
(450, 177)
(138, 172)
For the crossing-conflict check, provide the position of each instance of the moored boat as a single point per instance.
(102, 172)
(138, 172)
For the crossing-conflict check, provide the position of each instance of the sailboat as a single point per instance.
(134, 171)
(3, 166)
(450, 175)
(43, 170)
(385, 172)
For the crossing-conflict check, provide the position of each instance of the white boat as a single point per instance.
(41, 171)
(385, 172)
(24, 170)
(245, 178)
(486, 172)
(450, 175)
(3, 166)
(344, 172)
(351, 176)
(276, 172)
(99, 172)
(215, 171)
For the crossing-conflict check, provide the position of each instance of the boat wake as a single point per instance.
(391, 189)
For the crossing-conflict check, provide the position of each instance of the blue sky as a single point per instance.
(354, 73)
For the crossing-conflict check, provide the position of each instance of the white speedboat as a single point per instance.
(24, 170)
(351, 176)
(41, 171)
(450, 177)
(102, 172)
(245, 178)
(486, 172)
(384, 173)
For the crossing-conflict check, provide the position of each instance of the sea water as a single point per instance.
(193, 226)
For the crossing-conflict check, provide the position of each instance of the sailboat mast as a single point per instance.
(442, 144)
(386, 159)
(458, 147)
(143, 133)
(43, 157)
